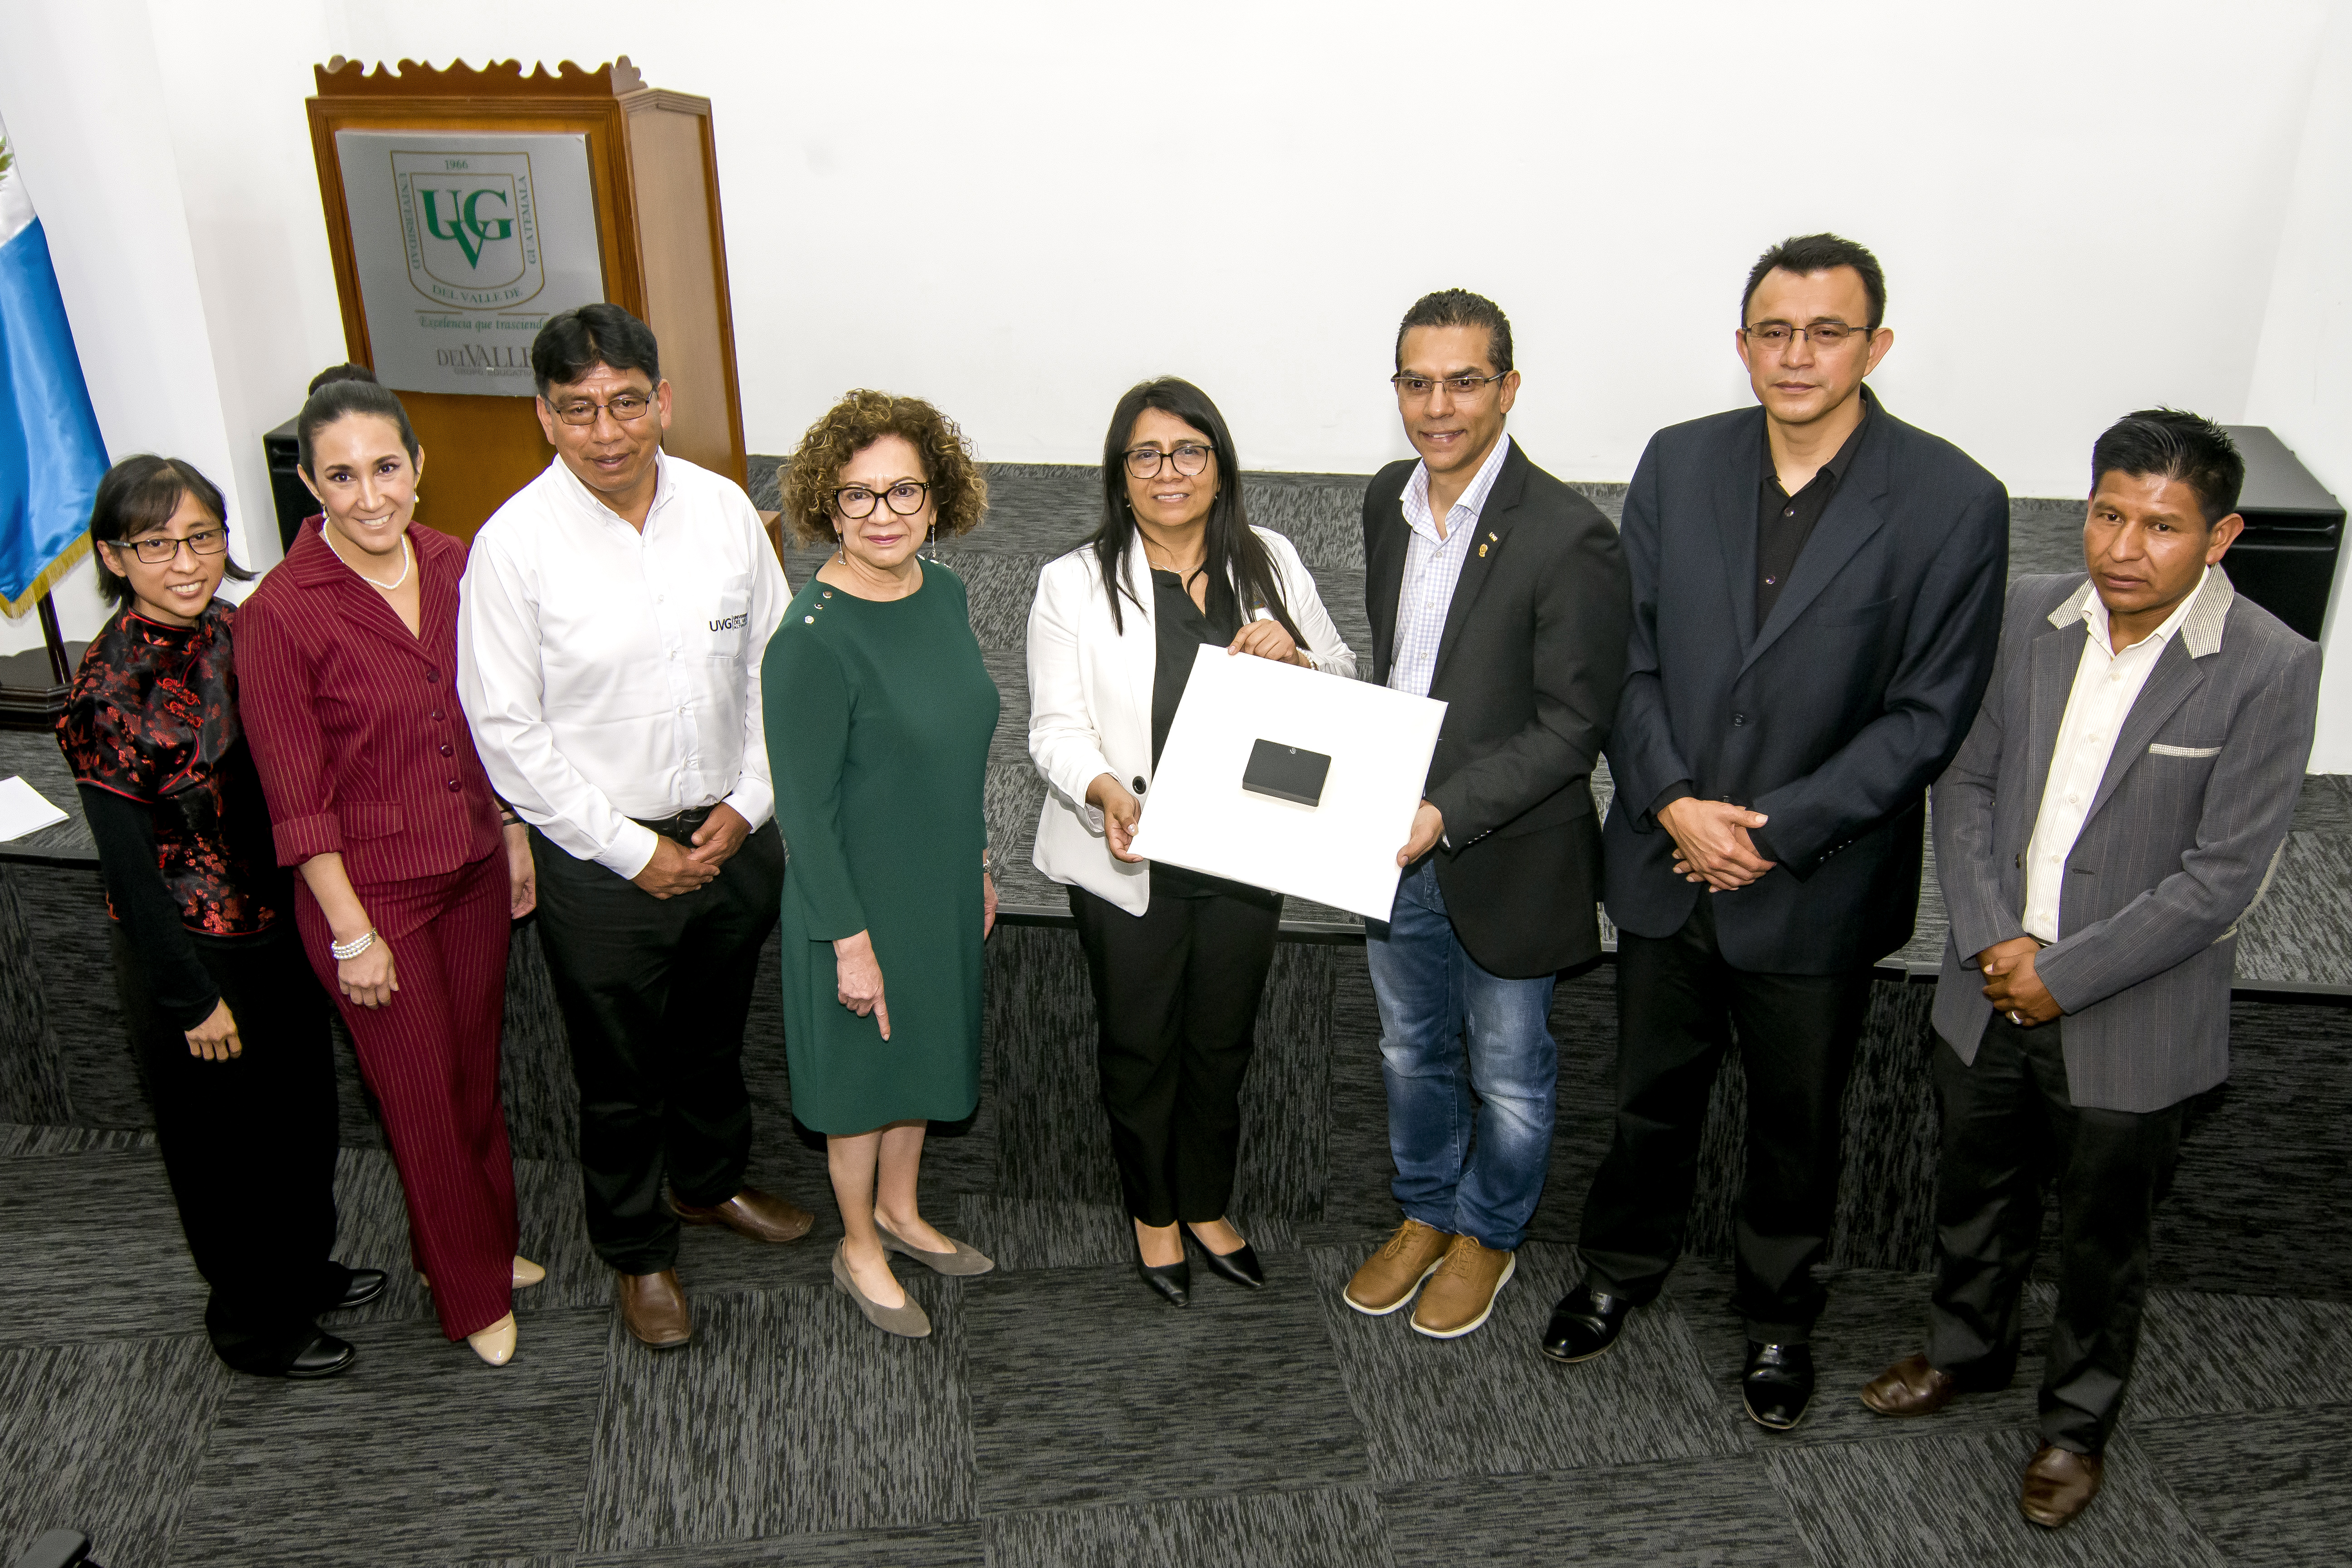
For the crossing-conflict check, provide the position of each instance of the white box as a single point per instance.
(1341, 852)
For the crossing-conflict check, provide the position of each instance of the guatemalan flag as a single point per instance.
(50, 455)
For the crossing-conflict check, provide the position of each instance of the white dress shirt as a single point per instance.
(611, 674)
(2106, 684)
(1432, 567)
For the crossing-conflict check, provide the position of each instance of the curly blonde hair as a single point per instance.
(958, 493)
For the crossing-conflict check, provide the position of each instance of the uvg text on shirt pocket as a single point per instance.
(728, 620)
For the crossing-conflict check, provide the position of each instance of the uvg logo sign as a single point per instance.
(470, 225)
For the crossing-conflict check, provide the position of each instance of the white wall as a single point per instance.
(2079, 206)
(83, 99)
(2303, 376)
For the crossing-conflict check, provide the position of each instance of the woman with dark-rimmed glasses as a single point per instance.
(229, 1028)
(880, 713)
(1178, 959)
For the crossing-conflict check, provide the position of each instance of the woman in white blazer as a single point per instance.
(1178, 959)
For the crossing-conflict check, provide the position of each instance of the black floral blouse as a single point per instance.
(167, 784)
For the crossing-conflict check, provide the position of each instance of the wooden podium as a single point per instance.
(654, 174)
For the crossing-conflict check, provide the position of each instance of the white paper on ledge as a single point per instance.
(23, 809)
(1341, 852)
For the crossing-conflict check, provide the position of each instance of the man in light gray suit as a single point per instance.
(2118, 805)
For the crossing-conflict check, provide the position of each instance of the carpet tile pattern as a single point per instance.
(1060, 1414)
(1688, 1513)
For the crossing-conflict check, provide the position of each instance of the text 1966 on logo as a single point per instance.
(471, 227)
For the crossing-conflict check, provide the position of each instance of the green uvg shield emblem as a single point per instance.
(468, 224)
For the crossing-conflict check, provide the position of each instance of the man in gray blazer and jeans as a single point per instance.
(2119, 804)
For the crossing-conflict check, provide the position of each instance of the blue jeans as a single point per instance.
(1471, 1167)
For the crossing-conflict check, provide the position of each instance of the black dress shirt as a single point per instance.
(1182, 628)
(1783, 521)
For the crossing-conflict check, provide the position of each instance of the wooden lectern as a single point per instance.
(653, 170)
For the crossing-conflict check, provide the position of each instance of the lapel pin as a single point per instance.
(1482, 550)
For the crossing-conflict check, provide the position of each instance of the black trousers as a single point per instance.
(655, 993)
(248, 1143)
(2008, 1124)
(1176, 994)
(1678, 1004)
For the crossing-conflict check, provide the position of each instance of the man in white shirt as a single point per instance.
(2118, 805)
(614, 617)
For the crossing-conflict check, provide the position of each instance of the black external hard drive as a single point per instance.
(1286, 773)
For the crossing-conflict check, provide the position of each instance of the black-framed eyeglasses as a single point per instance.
(1190, 458)
(1459, 385)
(155, 549)
(905, 498)
(1821, 334)
(626, 408)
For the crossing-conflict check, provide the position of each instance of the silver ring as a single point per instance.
(2016, 1017)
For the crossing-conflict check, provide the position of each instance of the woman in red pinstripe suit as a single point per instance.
(407, 880)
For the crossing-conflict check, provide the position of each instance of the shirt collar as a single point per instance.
(664, 488)
(1417, 489)
(1837, 465)
(2095, 616)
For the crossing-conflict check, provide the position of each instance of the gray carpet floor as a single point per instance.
(1060, 1414)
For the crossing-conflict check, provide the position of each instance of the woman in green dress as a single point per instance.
(879, 715)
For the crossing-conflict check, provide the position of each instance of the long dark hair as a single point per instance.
(1235, 553)
(341, 390)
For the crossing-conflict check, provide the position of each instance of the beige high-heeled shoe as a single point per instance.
(526, 1274)
(495, 1344)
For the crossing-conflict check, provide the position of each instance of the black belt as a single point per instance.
(681, 827)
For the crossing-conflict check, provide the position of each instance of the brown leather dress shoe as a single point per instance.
(2059, 1484)
(653, 1309)
(1910, 1388)
(762, 1216)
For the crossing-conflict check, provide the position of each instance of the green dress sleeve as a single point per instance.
(806, 707)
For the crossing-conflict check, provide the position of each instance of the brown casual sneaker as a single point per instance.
(653, 1309)
(762, 1216)
(1463, 1292)
(1390, 1276)
(1910, 1388)
(2059, 1484)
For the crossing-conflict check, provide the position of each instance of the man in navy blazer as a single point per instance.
(2120, 803)
(1817, 593)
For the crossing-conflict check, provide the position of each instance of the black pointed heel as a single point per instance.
(1171, 1283)
(1240, 1266)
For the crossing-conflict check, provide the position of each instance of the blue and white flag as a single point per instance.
(51, 457)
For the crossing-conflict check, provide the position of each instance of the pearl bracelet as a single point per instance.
(353, 948)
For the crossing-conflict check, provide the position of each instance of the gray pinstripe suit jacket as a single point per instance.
(2182, 837)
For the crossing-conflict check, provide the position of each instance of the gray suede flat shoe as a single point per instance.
(963, 1260)
(910, 1321)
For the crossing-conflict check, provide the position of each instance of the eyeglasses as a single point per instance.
(1459, 385)
(627, 409)
(155, 549)
(1145, 462)
(906, 498)
(1821, 334)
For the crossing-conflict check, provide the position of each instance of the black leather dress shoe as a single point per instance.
(1239, 1266)
(366, 1286)
(1777, 1385)
(1173, 1283)
(324, 1356)
(1585, 1322)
